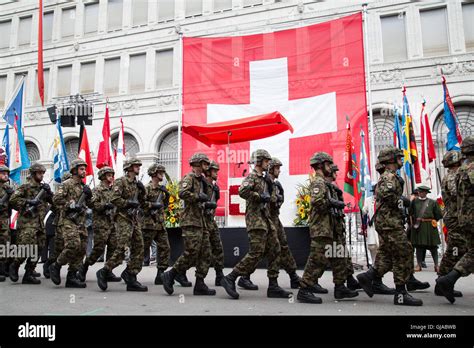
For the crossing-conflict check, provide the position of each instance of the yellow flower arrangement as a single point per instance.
(303, 203)
(171, 199)
(173, 211)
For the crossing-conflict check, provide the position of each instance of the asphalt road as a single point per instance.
(48, 299)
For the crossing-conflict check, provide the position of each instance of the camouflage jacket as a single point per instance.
(278, 197)
(389, 215)
(257, 214)
(155, 219)
(102, 218)
(209, 214)
(320, 220)
(30, 190)
(68, 192)
(125, 188)
(465, 191)
(449, 193)
(5, 209)
(338, 214)
(192, 211)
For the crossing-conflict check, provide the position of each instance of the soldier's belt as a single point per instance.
(434, 223)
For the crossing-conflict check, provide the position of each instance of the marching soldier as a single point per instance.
(390, 225)
(263, 238)
(128, 195)
(456, 247)
(465, 214)
(323, 233)
(58, 235)
(105, 233)
(217, 260)
(72, 199)
(157, 198)
(5, 193)
(197, 248)
(31, 201)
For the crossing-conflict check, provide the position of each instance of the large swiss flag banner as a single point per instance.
(314, 76)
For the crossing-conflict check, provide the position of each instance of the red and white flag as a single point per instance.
(85, 153)
(314, 76)
(428, 152)
(105, 153)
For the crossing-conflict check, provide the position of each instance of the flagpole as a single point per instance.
(180, 100)
(369, 88)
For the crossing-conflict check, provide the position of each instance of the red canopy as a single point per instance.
(243, 129)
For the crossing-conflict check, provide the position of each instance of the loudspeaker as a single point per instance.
(68, 121)
(53, 116)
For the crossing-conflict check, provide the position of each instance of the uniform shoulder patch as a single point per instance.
(316, 190)
(185, 184)
(389, 185)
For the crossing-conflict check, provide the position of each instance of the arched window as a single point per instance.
(33, 155)
(131, 144)
(168, 152)
(72, 149)
(383, 130)
(465, 113)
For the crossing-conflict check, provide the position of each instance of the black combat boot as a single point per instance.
(341, 291)
(82, 272)
(13, 271)
(73, 282)
(46, 265)
(381, 289)
(438, 292)
(317, 289)
(29, 279)
(446, 283)
(366, 279)
(183, 280)
(352, 283)
(305, 295)
(274, 290)
(294, 280)
(126, 276)
(35, 274)
(135, 285)
(245, 283)
(2, 272)
(111, 277)
(414, 284)
(55, 273)
(168, 279)
(101, 275)
(158, 280)
(219, 276)
(200, 288)
(228, 283)
(403, 298)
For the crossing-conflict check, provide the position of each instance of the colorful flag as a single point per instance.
(397, 134)
(365, 183)
(351, 179)
(6, 145)
(85, 153)
(451, 120)
(120, 152)
(40, 53)
(410, 150)
(60, 161)
(105, 153)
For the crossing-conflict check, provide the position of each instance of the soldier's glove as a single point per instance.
(336, 204)
(32, 202)
(46, 187)
(87, 191)
(140, 186)
(75, 207)
(210, 205)
(202, 197)
(108, 206)
(265, 197)
(163, 189)
(156, 206)
(9, 191)
(132, 203)
(216, 189)
(406, 201)
(279, 198)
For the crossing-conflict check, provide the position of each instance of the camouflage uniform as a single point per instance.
(73, 230)
(456, 247)
(197, 247)
(217, 259)
(5, 192)
(154, 224)
(323, 232)
(30, 223)
(129, 234)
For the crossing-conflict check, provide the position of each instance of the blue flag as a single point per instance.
(6, 145)
(61, 164)
(364, 182)
(450, 118)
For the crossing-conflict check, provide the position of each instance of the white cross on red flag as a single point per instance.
(314, 76)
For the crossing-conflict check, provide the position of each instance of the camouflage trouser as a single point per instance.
(317, 262)
(103, 236)
(75, 245)
(217, 260)
(287, 261)
(4, 239)
(197, 251)
(129, 235)
(348, 260)
(58, 244)
(162, 246)
(465, 266)
(395, 254)
(30, 238)
(455, 249)
(262, 244)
